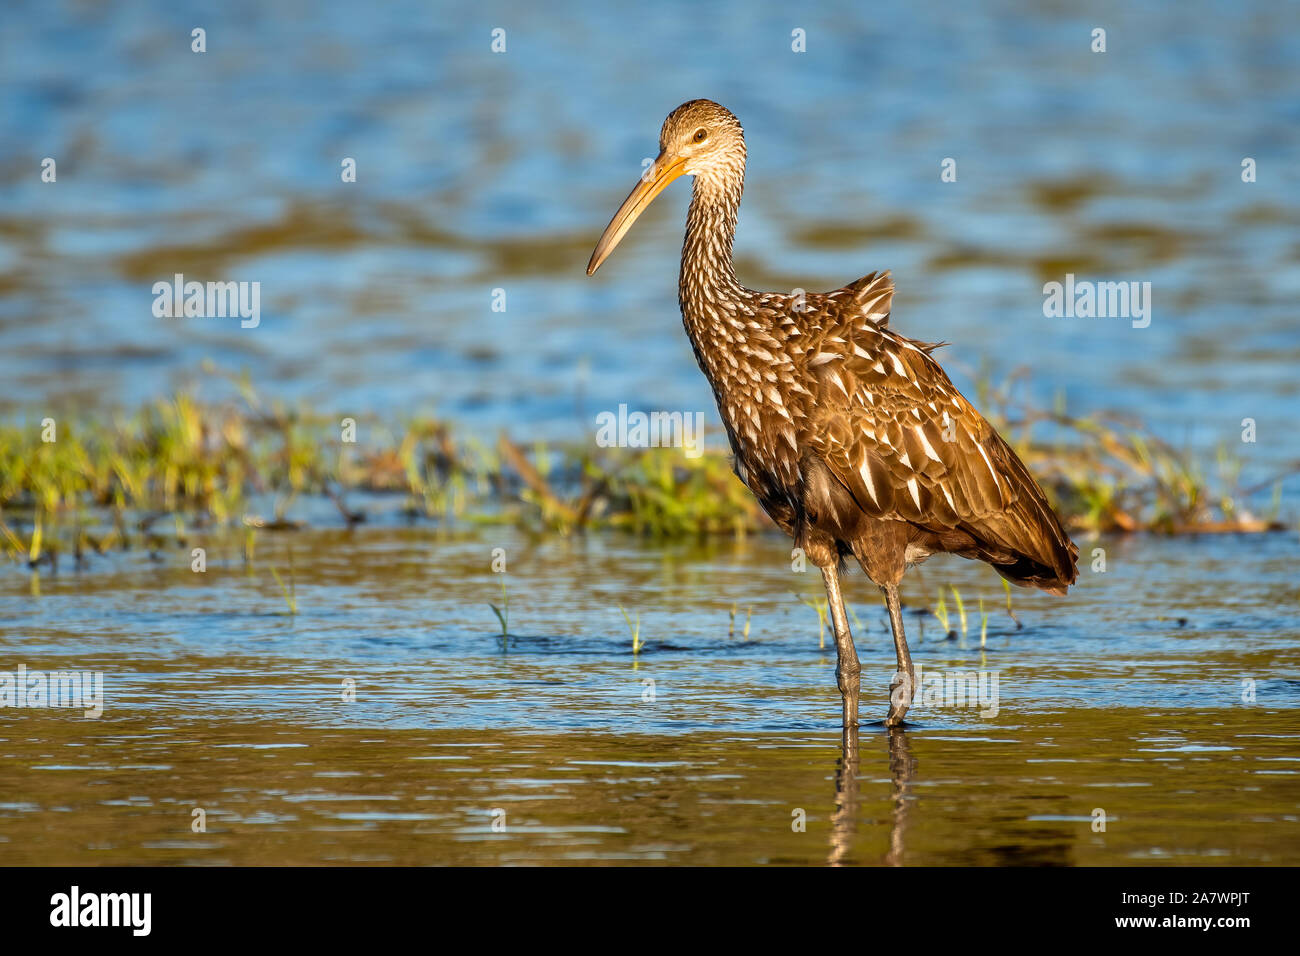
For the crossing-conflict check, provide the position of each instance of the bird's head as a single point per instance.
(699, 138)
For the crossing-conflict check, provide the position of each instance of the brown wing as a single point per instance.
(865, 302)
(868, 299)
(896, 432)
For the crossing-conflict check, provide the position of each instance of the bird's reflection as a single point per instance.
(844, 819)
(902, 765)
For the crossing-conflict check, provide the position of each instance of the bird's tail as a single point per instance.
(1026, 542)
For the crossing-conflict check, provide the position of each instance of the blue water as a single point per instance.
(406, 613)
(480, 171)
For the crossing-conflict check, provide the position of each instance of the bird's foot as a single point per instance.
(900, 697)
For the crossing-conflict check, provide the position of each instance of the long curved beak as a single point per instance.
(665, 169)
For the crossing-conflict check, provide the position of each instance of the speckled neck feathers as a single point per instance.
(713, 302)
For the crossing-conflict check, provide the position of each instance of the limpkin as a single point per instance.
(849, 434)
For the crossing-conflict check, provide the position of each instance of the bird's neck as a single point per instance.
(708, 277)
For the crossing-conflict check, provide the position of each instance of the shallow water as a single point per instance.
(1126, 696)
(1183, 786)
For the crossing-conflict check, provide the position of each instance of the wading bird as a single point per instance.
(850, 435)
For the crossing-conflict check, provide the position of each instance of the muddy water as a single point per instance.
(1128, 698)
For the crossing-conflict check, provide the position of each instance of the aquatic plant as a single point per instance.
(634, 629)
(821, 606)
(503, 615)
(961, 610)
(941, 615)
(100, 482)
(290, 592)
(731, 631)
(1006, 586)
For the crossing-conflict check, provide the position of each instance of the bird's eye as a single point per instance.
(701, 135)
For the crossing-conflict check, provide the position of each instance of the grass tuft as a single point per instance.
(503, 615)
(635, 629)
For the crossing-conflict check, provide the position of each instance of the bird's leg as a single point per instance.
(847, 668)
(903, 686)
